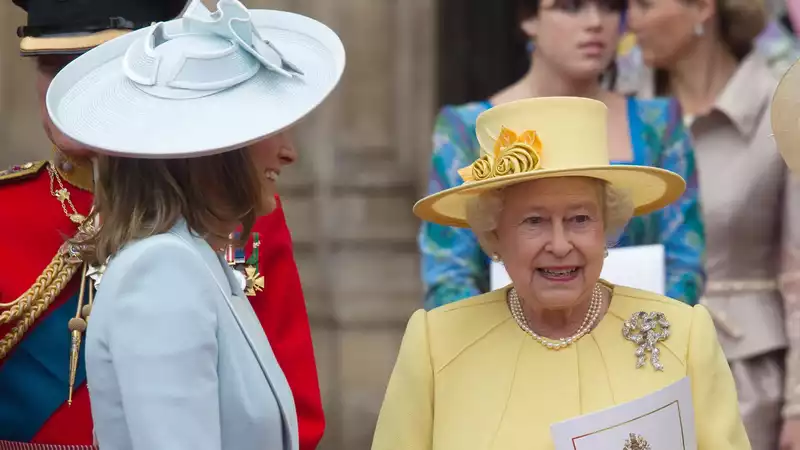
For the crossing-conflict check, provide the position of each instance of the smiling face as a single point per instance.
(551, 238)
(269, 157)
(578, 38)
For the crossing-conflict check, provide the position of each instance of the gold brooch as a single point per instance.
(636, 442)
(646, 330)
(512, 154)
(254, 281)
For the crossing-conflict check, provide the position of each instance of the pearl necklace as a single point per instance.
(589, 321)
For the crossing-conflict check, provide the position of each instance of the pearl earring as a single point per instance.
(495, 257)
(605, 254)
(699, 30)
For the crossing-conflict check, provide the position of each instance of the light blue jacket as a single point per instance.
(176, 358)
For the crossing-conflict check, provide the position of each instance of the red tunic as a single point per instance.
(34, 374)
(281, 309)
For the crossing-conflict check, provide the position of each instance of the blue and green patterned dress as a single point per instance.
(453, 265)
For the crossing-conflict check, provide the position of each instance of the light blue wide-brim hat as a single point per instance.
(202, 84)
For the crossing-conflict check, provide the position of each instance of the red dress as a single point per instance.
(34, 354)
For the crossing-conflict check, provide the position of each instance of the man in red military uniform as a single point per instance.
(43, 397)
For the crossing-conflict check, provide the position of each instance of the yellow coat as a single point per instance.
(467, 377)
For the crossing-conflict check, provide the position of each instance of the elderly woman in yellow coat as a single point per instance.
(497, 370)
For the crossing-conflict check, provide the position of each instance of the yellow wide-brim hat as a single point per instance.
(785, 117)
(548, 137)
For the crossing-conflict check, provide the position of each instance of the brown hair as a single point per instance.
(530, 8)
(137, 198)
(739, 23)
(527, 9)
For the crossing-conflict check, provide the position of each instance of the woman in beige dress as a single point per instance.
(704, 56)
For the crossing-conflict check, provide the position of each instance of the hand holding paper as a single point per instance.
(663, 420)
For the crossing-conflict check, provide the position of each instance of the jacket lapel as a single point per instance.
(252, 330)
(259, 344)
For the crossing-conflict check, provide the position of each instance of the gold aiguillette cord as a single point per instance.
(77, 326)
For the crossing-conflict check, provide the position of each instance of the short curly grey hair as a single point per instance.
(483, 213)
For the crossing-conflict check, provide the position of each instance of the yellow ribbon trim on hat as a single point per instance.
(512, 154)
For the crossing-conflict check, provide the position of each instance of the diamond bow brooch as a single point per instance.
(646, 330)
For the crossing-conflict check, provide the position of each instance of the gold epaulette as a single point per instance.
(21, 171)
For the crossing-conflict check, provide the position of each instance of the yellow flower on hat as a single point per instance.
(511, 157)
(511, 154)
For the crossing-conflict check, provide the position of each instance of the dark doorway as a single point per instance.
(481, 49)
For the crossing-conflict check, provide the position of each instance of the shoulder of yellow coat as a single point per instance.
(21, 171)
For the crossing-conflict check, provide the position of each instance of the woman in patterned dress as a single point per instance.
(576, 40)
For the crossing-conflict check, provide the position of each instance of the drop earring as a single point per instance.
(699, 30)
(605, 254)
